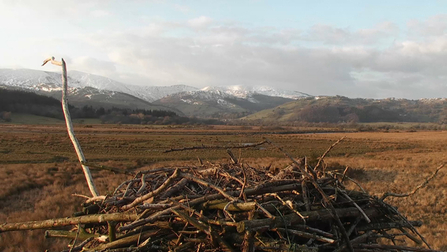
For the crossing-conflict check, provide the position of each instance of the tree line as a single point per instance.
(17, 101)
(340, 109)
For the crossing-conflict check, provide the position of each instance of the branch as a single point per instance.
(215, 147)
(415, 189)
(152, 193)
(74, 140)
(51, 223)
(326, 152)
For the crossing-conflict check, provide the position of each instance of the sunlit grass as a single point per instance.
(39, 170)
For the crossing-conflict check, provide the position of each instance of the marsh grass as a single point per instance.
(39, 172)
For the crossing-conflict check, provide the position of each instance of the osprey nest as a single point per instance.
(235, 207)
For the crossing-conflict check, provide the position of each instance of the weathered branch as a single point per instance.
(153, 193)
(86, 219)
(71, 134)
(215, 147)
(320, 159)
(125, 241)
(387, 194)
(68, 234)
(292, 219)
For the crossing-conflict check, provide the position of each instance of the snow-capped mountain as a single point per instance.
(216, 103)
(230, 99)
(51, 81)
(246, 92)
(47, 81)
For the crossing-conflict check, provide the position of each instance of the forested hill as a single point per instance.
(15, 101)
(335, 109)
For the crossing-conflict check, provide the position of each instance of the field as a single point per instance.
(39, 171)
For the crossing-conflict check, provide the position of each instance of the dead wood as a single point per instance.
(69, 124)
(216, 147)
(51, 223)
(427, 180)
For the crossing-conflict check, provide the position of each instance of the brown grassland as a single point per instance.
(39, 172)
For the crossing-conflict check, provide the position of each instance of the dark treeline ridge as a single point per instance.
(339, 109)
(16, 101)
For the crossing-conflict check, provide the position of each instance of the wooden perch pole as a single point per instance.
(74, 140)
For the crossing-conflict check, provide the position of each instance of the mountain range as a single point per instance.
(88, 89)
(251, 104)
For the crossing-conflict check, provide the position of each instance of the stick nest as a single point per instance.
(235, 207)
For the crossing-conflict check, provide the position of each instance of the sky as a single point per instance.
(365, 49)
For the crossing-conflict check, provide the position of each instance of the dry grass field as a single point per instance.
(39, 172)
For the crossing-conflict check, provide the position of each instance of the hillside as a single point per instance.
(107, 99)
(93, 90)
(218, 104)
(23, 107)
(342, 109)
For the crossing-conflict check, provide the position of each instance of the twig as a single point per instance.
(75, 239)
(233, 158)
(124, 241)
(202, 182)
(143, 184)
(287, 204)
(80, 246)
(410, 226)
(68, 234)
(323, 194)
(91, 199)
(356, 205)
(307, 235)
(153, 193)
(202, 226)
(387, 194)
(326, 152)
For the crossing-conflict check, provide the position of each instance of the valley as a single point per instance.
(40, 174)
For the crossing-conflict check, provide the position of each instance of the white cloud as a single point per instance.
(233, 55)
(93, 66)
(433, 26)
(100, 13)
(330, 35)
(379, 61)
(200, 22)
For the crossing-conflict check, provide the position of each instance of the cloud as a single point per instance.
(330, 35)
(93, 66)
(383, 60)
(433, 26)
(200, 22)
(100, 13)
(355, 63)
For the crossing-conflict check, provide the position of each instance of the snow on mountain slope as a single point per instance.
(51, 81)
(247, 92)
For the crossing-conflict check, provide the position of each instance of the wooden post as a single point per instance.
(74, 140)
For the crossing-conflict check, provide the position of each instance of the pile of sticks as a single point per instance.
(235, 207)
